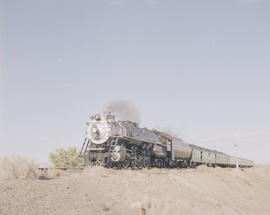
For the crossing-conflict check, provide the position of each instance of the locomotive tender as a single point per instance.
(122, 144)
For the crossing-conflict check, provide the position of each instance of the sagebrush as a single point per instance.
(65, 159)
(18, 168)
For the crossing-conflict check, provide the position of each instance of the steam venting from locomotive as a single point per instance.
(124, 110)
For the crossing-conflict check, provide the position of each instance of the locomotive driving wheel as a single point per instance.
(133, 163)
(125, 164)
(146, 163)
(108, 163)
(119, 165)
(140, 163)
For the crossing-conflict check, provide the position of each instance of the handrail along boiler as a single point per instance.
(124, 144)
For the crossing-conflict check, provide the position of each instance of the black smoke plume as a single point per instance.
(124, 110)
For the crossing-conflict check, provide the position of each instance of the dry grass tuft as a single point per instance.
(18, 168)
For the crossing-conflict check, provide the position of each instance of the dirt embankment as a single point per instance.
(157, 191)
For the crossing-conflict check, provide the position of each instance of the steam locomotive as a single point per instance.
(123, 144)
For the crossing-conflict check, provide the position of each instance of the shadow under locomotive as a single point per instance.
(122, 144)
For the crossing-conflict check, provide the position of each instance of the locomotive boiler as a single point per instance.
(123, 144)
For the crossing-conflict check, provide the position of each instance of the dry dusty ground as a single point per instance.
(157, 191)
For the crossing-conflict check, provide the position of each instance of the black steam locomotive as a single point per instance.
(122, 144)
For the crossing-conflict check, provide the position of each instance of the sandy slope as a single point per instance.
(105, 191)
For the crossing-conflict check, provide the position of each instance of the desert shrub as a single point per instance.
(62, 158)
(18, 168)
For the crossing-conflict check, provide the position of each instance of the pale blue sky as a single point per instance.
(200, 67)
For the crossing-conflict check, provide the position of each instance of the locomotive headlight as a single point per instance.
(117, 148)
(95, 132)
